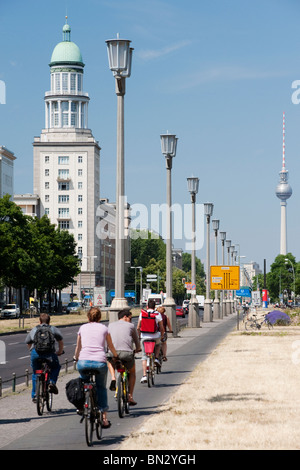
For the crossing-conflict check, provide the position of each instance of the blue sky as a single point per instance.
(218, 74)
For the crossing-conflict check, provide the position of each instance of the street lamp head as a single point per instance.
(231, 249)
(228, 243)
(215, 224)
(119, 57)
(222, 236)
(168, 144)
(193, 184)
(208, 208)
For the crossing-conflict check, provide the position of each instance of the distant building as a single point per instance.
(249, 271)
(29, 203)
(7, 159)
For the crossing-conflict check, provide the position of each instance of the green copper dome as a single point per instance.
(66, 52)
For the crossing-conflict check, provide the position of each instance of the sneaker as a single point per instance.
(34, 400)
(156, 361)
(144, 379)
(53, 388)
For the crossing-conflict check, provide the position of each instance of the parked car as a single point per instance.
(10, 311)
(180, 312)
(73, 307)
(185, 306)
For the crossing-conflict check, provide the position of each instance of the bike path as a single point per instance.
(22, 429)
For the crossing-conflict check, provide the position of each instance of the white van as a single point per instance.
(159, 299)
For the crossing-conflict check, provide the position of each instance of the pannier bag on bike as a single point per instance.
(44, 340)
(75, 392)
(148, 322)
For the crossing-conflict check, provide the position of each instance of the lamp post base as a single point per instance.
(170, 306)
(216, 310)
(116, 306)
(207, 315)
(194, 319)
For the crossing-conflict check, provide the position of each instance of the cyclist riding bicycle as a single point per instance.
(41, 342)
(167, 324)
(123, 335)
(90, 354)
(155, 333)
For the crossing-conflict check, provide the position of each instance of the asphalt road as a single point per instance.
(61, 430)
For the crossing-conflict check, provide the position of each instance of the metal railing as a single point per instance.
(27, 376)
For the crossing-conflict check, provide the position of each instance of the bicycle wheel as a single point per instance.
(49, 399)
(269, 325)
(149, 380)
(250, 326)
(98, 425)
(126, 404)
(40, 395)
(152, 371)
(89, 419)
(120, 397)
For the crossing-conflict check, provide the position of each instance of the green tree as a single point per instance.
(281, 278)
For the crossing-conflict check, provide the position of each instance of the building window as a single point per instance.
(64, 224)
(79, 223)
(63, 212)
(80, 237)
(79, 82)
(47, 158)
(79, 159)
(63, 199)
(65, 80)
(80, 211)
(47, 211)
(80, 172)
(63, 174)
(73, 82)
(47, 198)
(47, 172)
(80, 198)
(65, 113)
(79, 250)
(62, 186)
(57, 82)
(63, 160)
(47, 185)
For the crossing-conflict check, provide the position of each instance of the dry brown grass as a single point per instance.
(244, 396)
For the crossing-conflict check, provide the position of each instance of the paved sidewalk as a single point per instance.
(18, 415)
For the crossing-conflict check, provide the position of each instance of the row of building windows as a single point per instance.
(64, 199)
(66, 82)
(65, 224)
(64, 186)
(64, 160)
(64, 173)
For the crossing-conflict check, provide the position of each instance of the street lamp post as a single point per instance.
(194, 319)
(223, 305)
(90, 257)
(288, 260)
(141, 269)
(231, 249)
(168, 148)
(207, 315)
(228, 303)
(80, 262)
(120, 58)
(216, 309)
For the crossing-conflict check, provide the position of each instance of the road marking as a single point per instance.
(23, 357)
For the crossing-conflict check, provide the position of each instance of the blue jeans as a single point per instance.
(35, 364)
(101, 378)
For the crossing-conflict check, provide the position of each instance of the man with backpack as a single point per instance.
(150, 326)
(41, 342)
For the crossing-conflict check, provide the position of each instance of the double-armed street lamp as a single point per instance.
(228, 303)
(168, 149)
(194, 319)
(216, 309)
(207, 314)
(120, 59)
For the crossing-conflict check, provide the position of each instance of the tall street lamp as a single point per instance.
(223, 305)
(286, 261)
(208, 211)
(231, 249)
(194, 319)
(168, 148)
(228, 303)
(90, 257)
(216, 309)
(120, 59)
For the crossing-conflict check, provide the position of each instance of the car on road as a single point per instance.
(74, 307)
(180, 312)
(10, 311)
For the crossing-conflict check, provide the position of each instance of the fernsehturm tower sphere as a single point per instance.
(283, 192)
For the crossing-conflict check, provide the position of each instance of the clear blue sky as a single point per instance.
(218, 74)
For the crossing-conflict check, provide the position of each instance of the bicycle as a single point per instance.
(254, 324)
(43, 395)
(149, 347)
(122, 389)
(92, 416)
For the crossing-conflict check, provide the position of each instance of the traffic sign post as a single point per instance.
(224, 277)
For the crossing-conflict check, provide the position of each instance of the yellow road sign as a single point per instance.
(224, 277)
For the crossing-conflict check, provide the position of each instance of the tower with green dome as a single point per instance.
(66, 159)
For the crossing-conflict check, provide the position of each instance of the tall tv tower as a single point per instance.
(283, 192)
